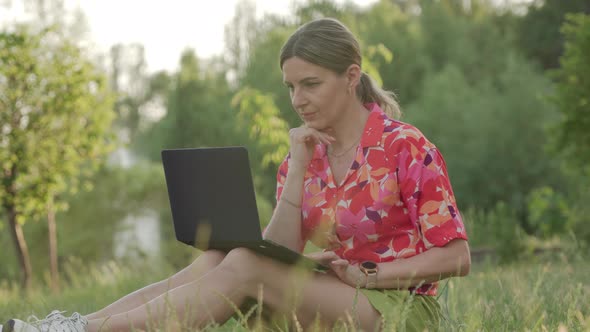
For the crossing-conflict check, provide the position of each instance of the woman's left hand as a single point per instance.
(349, 273)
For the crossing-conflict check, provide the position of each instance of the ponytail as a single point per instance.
(369, 92)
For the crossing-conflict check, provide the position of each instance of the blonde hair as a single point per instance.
(326, 42)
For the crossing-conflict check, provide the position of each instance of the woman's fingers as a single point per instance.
(340, 267)
(323, 257)
(307, 135)
(340, 262)
(303, 140)
(326, 139)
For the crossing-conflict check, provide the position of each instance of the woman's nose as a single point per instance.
(297, 99)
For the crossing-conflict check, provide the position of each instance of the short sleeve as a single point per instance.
(427, 194)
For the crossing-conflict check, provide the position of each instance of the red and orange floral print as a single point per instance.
(395, 201)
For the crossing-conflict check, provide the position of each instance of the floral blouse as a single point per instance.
(395, 201)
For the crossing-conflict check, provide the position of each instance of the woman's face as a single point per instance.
(318, 95)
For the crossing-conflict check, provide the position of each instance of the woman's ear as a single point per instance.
(353, 76)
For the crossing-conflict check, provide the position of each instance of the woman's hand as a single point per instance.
(323, 257)
(349, 274)
(303, 140)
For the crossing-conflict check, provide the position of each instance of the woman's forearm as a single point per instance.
(430, 266)
(285, 224)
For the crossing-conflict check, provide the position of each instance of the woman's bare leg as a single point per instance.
(239, 276)
(203, 264)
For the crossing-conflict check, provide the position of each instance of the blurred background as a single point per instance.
(90, 92)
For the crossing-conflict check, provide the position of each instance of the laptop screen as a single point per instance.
(211, 196)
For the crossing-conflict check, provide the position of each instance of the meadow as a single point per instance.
(549, 293)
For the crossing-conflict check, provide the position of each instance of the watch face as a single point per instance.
(369, 265)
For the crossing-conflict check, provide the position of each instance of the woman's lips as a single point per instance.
(308, 115)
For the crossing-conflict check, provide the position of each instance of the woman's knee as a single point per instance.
(209, 259)
(243, 263)
(206, 261)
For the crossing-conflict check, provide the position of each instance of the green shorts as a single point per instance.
(403, 311)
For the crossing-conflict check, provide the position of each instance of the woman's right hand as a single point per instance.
(303, 141)
(323, 257)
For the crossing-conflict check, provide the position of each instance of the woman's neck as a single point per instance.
(349, 130)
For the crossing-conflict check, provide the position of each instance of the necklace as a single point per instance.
(338, 155)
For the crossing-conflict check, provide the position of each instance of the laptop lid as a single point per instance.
(211, 196)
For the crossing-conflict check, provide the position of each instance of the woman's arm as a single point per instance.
(432, 265)
(285, 225)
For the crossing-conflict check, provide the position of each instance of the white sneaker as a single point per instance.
(54, 322)
(17, 325)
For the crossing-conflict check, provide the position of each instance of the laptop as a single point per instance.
(214, 206)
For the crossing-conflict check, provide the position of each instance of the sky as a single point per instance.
(198, 24)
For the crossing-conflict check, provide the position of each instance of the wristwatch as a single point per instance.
(370, 269)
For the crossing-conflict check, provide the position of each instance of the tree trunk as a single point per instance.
(20, 244)
(52, 245)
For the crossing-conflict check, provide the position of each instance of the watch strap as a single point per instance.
(371, 280)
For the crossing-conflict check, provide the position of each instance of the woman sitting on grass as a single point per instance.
(372, 191)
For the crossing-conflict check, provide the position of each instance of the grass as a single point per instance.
(541, 294)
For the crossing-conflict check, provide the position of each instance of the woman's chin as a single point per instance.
(315, 125)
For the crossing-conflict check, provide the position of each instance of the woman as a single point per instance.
(370, 190)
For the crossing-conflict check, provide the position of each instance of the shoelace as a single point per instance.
(53, 316)
(57, 318)
(77, 318)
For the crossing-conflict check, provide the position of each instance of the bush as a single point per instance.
(547, 212)
(578, 216)
(497, 229)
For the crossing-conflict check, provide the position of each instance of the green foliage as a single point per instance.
(87, 228)
(260, 117)
(496, 229)
(129, 80)
(263, 73)
(55, 113)
(198, 111)
(547, 211)
(94, 216)
(455, 66)
(578, 214)
(539, 30)
(572, 95)
(268, 136)
(491, 132)
(386, 23)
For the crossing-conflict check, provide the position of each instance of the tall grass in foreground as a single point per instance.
(537, 295)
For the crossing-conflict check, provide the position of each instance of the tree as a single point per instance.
(55, 113)
(572, 95)
(385, 23)
(197, 106)
(128, 79)
(492, 133)
(539, 35)
(267, 136)
(239, 35)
